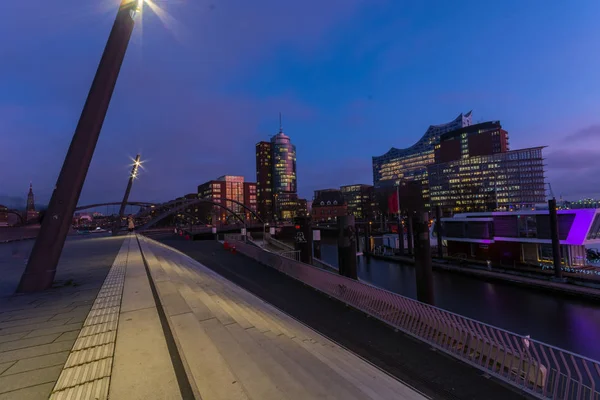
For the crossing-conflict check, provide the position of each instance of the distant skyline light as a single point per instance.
(203, 83)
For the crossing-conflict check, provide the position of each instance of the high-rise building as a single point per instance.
(264, 180)
(276, 177)
(360, 200)
(227, 188)
(30, 213)
(410, 164)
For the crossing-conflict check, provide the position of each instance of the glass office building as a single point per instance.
(410, 164)
(501, 181)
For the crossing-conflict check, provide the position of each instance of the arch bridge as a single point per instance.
(181, 205)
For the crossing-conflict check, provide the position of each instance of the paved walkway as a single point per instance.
(37, 331)
(235, 346)
(432, 372)
(133, 319)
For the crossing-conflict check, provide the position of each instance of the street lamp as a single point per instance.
(41, 268)
(134, 172)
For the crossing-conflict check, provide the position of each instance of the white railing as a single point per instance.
(545, 371)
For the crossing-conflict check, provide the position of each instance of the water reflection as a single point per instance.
(561, 321)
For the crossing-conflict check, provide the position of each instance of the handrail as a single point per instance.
(542, 370)
(292, 254)
(271, 239)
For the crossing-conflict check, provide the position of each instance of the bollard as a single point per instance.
(424, 272)
(347, 247)
(556, 259)
(303, 239)
(410, 235)
(400, 234)
(317, 243)
(438, 231)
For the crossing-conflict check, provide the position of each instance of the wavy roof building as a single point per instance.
(411, 163)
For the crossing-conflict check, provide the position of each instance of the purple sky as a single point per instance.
(352, 78)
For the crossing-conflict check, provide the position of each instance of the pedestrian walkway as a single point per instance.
(235, 346)
(37, 331)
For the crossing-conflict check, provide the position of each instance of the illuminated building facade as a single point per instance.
(522, 237)
(276, 178)
(500, 181)
(264, 180)
(328, 205)
(232, 188)
(474, 140)
(360, 200)
(410, 164)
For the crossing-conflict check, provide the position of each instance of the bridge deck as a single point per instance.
(236, 346)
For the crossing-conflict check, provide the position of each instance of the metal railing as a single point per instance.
(544, 371)
(238, 237)
(278, 243)
(292, 255)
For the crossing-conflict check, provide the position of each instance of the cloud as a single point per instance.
(573, 159)
(590, 132)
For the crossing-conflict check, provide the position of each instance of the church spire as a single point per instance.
(30, 199)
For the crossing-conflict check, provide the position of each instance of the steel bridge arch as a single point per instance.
(18, 214)
(116, 203)
(187, 204)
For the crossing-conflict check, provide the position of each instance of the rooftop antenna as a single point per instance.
(280, 126)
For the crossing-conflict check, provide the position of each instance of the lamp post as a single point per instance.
(41, 268)
(134, 172)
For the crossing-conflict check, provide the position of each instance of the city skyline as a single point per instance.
(346, 82)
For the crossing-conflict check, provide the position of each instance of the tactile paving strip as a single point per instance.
(86, 374)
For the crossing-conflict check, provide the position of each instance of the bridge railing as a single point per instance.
(544, 371)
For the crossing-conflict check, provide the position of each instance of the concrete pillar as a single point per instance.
(555, 238)
(409, 234)
(438, 231)
(424, 272)
(316, 235)
(347, 247)
(303, 239)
